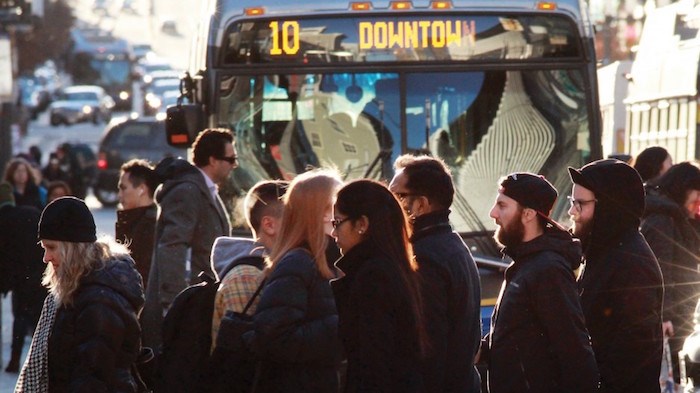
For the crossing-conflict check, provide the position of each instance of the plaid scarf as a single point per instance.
(34, 377)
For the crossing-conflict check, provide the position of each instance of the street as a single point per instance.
(137, 28)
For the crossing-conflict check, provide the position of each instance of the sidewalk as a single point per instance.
(7, 380)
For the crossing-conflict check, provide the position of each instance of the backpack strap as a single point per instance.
(252, 298)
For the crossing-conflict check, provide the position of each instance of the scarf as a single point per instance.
(34, 377)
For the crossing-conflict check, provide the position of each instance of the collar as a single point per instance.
(355, 258)
(213, 188)
(429, 223)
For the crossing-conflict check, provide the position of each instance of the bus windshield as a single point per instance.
(483, 124)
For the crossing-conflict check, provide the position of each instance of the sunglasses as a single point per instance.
(231, 160)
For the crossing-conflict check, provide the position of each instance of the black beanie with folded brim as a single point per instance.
(67, 219)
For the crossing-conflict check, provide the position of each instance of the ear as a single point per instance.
(361, 225)
(267, 226)
(424, 205)
(528, 215)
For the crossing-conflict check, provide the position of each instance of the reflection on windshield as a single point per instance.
(482, 124)
(103, 72)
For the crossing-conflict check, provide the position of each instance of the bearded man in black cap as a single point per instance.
(538, 340)
(621, 286)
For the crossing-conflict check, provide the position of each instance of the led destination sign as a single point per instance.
(414, 34)
(400, 38)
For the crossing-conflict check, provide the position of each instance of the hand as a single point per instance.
(667, 328)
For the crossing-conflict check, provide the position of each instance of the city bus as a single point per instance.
(489, 87)
(96, 57)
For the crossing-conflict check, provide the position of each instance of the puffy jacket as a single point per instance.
(96, 340)
(296, 329)
(538, 340)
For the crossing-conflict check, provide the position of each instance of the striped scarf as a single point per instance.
(34, 377)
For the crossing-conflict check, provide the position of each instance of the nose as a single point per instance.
(572, 211)
(492, 213)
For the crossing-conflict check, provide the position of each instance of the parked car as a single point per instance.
(123, 140)
(77, 104)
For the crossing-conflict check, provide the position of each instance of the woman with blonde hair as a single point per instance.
(88, 335)
(296, 324)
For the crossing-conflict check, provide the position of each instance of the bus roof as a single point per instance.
(225, 11)
(96, 40)
(232, 8)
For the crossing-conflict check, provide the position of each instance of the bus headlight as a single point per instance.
(123, 95)
(87, 109)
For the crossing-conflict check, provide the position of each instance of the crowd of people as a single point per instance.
(355, 286)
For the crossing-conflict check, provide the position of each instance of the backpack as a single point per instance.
(183, 363)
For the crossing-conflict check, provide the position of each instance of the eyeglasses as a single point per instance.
(231, 160)
(337, 221)
(403, 195)
(579, 203)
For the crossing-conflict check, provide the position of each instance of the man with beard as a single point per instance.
(538, 340)
(621, 287)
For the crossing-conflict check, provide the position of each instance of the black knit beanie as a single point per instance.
(67, 219)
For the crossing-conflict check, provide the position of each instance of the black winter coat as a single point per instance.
(375, 324)
(95, 341)
(452, 298)
(667, 228)
(538, 339)
(296, 329)
(621, 296)
(137, 229)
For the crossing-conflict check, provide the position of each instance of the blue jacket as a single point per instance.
(452, 298)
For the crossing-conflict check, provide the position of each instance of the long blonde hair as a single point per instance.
(309, 195)
(77, 260)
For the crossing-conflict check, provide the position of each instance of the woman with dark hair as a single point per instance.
(379, 301)
(652, 162)
(88, 337)
(667, 227)
(25, 183)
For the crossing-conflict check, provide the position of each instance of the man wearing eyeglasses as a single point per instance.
(451, 293)
(191, 216)
(621, 286)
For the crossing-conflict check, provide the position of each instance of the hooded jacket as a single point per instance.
(189, 222)
(670, 234)
(538, 339)
(621, 287)
(96, 340)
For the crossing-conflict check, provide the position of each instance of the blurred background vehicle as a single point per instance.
(98, 58)
(124, 139)
(77, 104)
(154, 93)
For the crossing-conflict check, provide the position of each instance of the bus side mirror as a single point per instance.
(182, 124)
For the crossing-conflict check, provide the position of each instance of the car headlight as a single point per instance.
(123, 95)
(87, 109)
(154, 102)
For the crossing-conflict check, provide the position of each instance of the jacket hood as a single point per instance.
(120, 275)
(173, 171)
(554, 240)
(619, 192)
(228, 251)
(657, 203)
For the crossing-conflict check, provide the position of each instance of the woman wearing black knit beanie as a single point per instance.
(88, 335)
